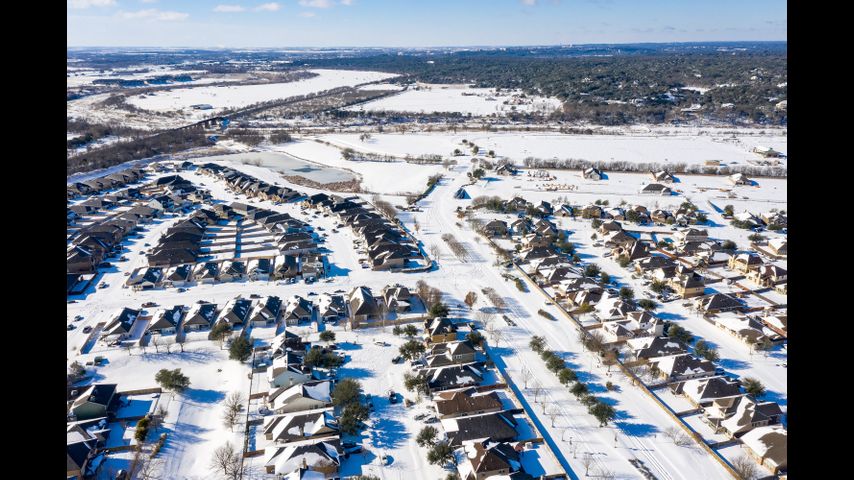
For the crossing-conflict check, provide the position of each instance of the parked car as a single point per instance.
(70, 326)
(103, 285)
(78, 318)
(254, 295)
(431, 419)
(87, 329)
(392, 397)
(149, 304)
(182, 290)
(397, 359)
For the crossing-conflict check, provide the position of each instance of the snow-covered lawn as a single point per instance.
(429, 98)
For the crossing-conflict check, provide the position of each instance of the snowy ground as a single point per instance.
(687, 147)
(237, 96)
(429, 98)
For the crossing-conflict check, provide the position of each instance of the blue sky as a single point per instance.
(414, 23)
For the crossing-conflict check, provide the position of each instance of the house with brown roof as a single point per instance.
(468, 401)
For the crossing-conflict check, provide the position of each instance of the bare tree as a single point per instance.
(233, 405)
(587, 461)
(181, 341)
(227, 462)
(553, 413)
(149, 468)
(745, 467)
(536, 389)
(155, 343)
(127, 346)
(435, 251)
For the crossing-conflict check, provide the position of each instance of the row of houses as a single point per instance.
(248, 185)
(479, 420)
(107, 182)
(387, 247)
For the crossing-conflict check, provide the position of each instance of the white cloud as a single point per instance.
(316, 3)
(346, 2)
(148, 1)
(307, 14)
(267, 7)
(529, 3)
(228, 8)
(154, 14)
(81, 4)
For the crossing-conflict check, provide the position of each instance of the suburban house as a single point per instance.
(330, 308)
(498, 426)
(452, 376)
(266, 312)
(719, 302)
(298, 426)
(744, 328)
(298, 310)
(488, 458)
(769, 446)
(166, 321)
(745, 262)
(779, 246)
(236, 311)
(662, 176)
(592, 173)
(440, 330)
(689, 235)
(94, 402)
(305, 396)
(687, 283)
(768, 275)
(496, 228)
(656, 189)
(739, 179)
(468, 401)
(397, 298)
(750, 414)
(200, 317)
(451, 353)
(702, 391)
(652, 347)
(260, 269)
(145, 278)
(321, 456)
(120, 327)
(683, 367)
(78, 455)
(287, 370)
(363, 305)
(178, 276)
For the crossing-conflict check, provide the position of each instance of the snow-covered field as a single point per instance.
(686, 148)
(429, 98)
(237, 96)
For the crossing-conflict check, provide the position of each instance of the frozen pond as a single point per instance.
(284, 164)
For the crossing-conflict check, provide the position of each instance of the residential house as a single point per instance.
(450, 353)
(768, 275)
(260, 269)
(121, 326)
(653, 347)
(662, 176)
(745, 262)
(266, 312)
(397, 298)
(362, 305)
(702, 391)
(330, 308)
(234, 270)
(452, 376)
(496, 228)
(200, 317)
(468, 401)
(304, 396)
(498, 426)
(656, 189)
(750, 414)
(166, 321)
(739, 179)
(322, 457)
(288, 370)
(178, 276)
(779, 246)
(719, 302)
(440, 330)
(236, 312)
(592, 173)
(298, 426)
(488, 458)
(145, 278)
(93, 402)
(298, 310)
(769, 446)
(683, 367)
